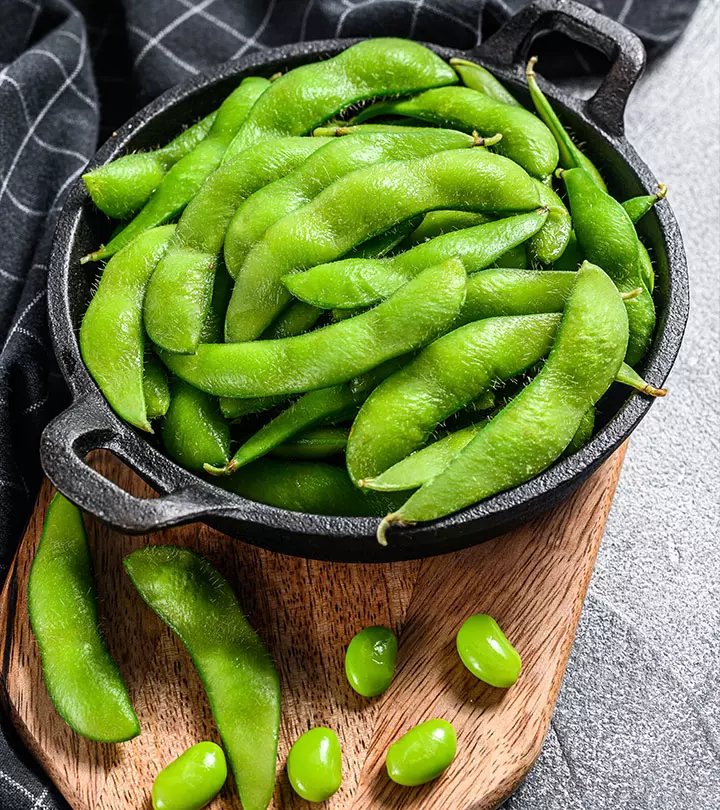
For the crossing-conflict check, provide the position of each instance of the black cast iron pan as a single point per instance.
(89, 423)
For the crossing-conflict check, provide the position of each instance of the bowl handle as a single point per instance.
(510, 47)
(89, 425)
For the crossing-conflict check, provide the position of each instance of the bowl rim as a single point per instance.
(505, 508)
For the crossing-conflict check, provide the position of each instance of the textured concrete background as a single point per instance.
(637, 725)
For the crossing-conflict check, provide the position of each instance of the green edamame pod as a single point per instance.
(637, 207)
(515, 258)
(186, 177)
(478, 78)
(647, 271)
(338, 157)
(83, 682)
(422, 754)
(552, 239)
(311, 409)
(370, 660)
(307, 96)
(532, 431)
(525, 138)
(293, 320)
(415, 315)
(314, 765)
(584, 432)
(628, 376)
(607, 237)
(401, 413)
(155, 387)
(180, 289)
(378, 246)
(351, 283)
(122, 187)
(486, 652)
(313, 444)
(312, 487)
(197, 602)
(191, 781)
(194, 431)
(329, 225)
(422, 465)
(572, 256)
(570, 155)
(437, 223)
(112, 337)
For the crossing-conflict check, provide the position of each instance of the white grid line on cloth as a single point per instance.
(11, 276)
(78, 92)
(28, 334)
(20, 205)
(36, 405)
(439, 11)
(258, 31)
(56, 95)
(625, 10)
(34, 6)
(54, 205)
(40, 801)
(164, 50)
(13, 782)
(306, 15)
(221, 24)
(169, 28)
(18, 325)
(416, 14)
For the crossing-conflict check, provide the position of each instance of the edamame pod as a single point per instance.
(338, 157)
(378, 246)
(83, 682)
(437, 223)
(637, 207)
(351, 283)
(191, 781)
(328, 226)
(314, 444)
(293, 320)
(401, 413)
(415, 315)
(533, 430)
(584, 432)
(552, 239)
(572, 256)
(525, 138)
(122, 187)
(155, 387)
(312, 487)
(628, 376)
(112, 337)
(180, 289)
(607, 237)
(186, 177)
(197, 602)
(307, 96)
(478, 78)
(570, 155)
(647, 271)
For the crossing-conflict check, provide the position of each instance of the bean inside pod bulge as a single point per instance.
(422, 754)
(192, 780)
(486, 652)
(370, 660)
(314, 765)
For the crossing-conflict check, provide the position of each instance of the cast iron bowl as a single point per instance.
(90, 423)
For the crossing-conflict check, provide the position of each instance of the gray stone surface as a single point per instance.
(637, 725)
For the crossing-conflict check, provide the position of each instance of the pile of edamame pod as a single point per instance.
(374, 285)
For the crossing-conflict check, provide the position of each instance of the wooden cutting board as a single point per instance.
(532, 580)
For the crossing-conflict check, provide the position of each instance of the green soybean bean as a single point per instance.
(401, 413)
(197, 602)
(180, 289)
(314, 444)
(83, 682)
(307, 96)
(525, 138)
(328, 226)
(314, 765)
(532, 431)
(607, 237)
(311, 409)
(351, 283)
(570, 155)
(155, 387)
(194, 431)
(486, 652)
(552, 239)
(192, 780)
(478, 78)
(370, 660)
(422, 465)
(637, 207)
(415, 315)
(338, 157)
(186, 177)
(122, 187)
(312, 487)
(422, 754)
(112, 336)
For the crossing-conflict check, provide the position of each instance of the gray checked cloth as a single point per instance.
(636, 727)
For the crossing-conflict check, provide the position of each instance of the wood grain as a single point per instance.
(532, 580)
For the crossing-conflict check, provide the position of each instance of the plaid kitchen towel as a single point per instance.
(70, 72)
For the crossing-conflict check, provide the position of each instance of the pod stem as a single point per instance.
(385, 523)
(478, 140)
(661, 192)
(228, 469)
(632, 294)
(95, 256)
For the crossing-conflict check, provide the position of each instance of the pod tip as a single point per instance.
(529, 70)
(385, 523)
(661, 192)
(632, 294)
